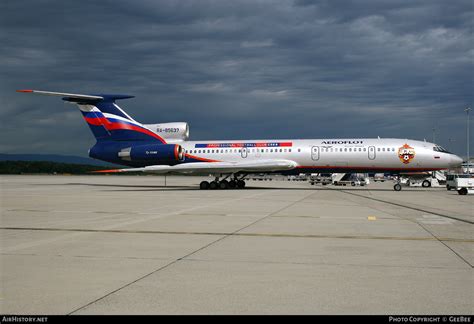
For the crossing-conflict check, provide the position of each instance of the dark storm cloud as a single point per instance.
(239, 69)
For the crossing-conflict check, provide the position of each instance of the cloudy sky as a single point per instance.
(239, 69)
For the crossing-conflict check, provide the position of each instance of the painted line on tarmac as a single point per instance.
(408, 207)
(289, 235)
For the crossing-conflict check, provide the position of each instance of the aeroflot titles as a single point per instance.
(342, 142)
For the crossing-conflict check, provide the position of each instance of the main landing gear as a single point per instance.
(235, 183)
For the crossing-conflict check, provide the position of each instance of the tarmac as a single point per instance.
(131, 245)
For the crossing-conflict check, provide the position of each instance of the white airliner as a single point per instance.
(165, 149)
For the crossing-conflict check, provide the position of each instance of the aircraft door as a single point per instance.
(244, 152)
(371, 152)
(315, 153)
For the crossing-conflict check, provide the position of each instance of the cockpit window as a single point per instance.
(438, 148)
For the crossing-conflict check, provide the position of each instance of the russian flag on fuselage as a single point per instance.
(108, 122)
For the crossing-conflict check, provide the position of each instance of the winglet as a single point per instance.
(24, 90)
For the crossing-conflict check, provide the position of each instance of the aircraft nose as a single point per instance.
(455, 161)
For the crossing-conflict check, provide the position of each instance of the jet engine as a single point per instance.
(156, 153)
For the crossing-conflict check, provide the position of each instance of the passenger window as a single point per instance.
(271, 150)
(345, 149)
(289, 150)
(383, 149)
(350, 149)
(378, 149)
(299, 150)
(281, 150)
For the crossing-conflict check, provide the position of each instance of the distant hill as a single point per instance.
(53, 158)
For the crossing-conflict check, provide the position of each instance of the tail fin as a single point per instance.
(106, 120)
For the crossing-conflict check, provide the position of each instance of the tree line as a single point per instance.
(46, 167)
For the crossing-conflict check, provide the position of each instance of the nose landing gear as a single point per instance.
(397, 186)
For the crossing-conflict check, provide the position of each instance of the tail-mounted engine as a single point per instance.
(155, 153)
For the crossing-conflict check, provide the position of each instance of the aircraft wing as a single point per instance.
(214, 167)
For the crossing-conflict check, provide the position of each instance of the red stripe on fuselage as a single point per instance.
(102, 121)
(366, 168)
(107, 171)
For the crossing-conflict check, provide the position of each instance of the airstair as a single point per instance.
(440, 175)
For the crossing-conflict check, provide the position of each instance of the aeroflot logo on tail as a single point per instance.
(342, 142)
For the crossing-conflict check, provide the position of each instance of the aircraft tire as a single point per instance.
(213, 185)
(232, 184)
(426, 184)
(224, 184)
(204, 185)
(240, 184)
(397, 187)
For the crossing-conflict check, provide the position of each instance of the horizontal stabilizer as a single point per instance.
(74, 97)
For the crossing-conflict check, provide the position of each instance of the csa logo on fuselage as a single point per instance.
(406, 153)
